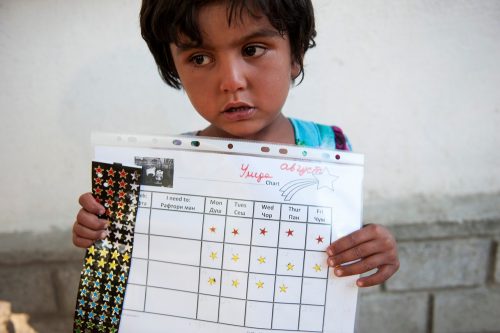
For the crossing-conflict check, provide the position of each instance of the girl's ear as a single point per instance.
(295, 69)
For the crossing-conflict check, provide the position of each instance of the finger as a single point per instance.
(383, 273)
(81, 242)
(361, 266)
(350, 241)
(358, 252)
(88, 202)
(84, 232)
(90, 220)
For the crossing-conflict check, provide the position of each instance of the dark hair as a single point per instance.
(164, 21)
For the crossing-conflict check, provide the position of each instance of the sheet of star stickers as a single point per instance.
(230, 236)
(107, 262)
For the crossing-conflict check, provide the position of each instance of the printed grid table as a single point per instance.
(225, 251)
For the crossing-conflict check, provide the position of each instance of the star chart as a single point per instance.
(230, 237)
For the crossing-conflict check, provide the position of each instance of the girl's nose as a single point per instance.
(232, 75)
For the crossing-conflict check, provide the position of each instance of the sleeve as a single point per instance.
(341, 141)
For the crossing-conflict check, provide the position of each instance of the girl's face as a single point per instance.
(239, 79)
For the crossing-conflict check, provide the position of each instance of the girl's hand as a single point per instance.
(371, 247)
(88, 227)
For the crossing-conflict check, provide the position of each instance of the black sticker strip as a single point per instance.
(106, 267)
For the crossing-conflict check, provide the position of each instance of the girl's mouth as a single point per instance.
(239, 113)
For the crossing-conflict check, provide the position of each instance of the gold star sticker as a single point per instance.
(103, 252)
(290, 266)
(90, 261)
(236, 283)
(283, 288)
(101, 263)
(112, 265)
(92, 250)
(235, 257)
(115, 255)
(262, 260)
(317, 268)
(213, 255)
(211, 281)
(260, 284)
(125, 257)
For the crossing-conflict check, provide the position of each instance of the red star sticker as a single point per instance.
(111, 172)
(123, 173)
(235, 232)
(119, 215)
(98, 181)
(122, 183)
(121, 205)
(109, 202)
(110, 182)
(98, 200)
(110, 192)
(212, 229)
(263, 231)
(98, 169)
(109, 212)
(121, 194)
(319, 239)
(289, 232)
(98, 191)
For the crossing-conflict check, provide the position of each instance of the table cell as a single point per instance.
(320, 215)
(267, 211)
(173, 276)
(175, 250)
(145, 199)
(185, 203)
(216, 206)
(240, 208)
(171, 302)
(295, 213)
(176, 224)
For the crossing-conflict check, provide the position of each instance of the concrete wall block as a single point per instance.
(53, 324)
(29, 288)
(441, 264)
(497, 264)
(66, 280)
(467, 311)
(392, 313)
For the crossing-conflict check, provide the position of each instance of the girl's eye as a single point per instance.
(200, 59)
(253, 51)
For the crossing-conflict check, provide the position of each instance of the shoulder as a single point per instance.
(311, 134)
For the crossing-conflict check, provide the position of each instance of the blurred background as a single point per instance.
(414, 84)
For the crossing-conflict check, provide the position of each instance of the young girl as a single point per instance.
(237, 60)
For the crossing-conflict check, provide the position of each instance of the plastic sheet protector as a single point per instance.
(230, 236)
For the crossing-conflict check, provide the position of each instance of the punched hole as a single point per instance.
(304, 153)
(337, 157)
(265, 149)
(283, 151)
(230, 146)
(195, 143)
(177, 142)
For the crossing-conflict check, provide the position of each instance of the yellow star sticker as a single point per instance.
(101, 263)
(112, 265)
(290, 266)
(90, 261)
(235, 257)
(213, 255)
(211, 281)
(283, 288)
(262, 260)
(317, 268)
(92, 250)
(115, 255)
(103, 252)
(260, 284)
(236, 283)
(125, 257)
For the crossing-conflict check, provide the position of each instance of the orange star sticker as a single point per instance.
(235, 232)
(123, 173)
(212, 229)
(263, 231)
(111, 172)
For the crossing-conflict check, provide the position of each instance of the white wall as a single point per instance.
(415, 84)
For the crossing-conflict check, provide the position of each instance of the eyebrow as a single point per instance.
(265, 32)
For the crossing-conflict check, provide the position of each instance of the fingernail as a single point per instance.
(338, 272)
(104, 234)
(330, 252)
(330, 262)
(102, 211)
(359, 283)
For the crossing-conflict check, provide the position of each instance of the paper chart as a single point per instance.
(231, 237)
